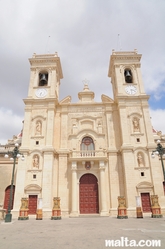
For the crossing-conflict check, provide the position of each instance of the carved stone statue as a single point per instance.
(36, 161)
(140, 160)
(136, 126)
(38, 128)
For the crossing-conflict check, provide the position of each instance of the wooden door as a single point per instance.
(32, 204)
(146, 204)
(89, 194)
(7, 197)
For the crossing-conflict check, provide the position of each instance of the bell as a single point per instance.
(128, 76)
(43, 79)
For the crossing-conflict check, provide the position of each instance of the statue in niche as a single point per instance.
(38, 128)
(36, 161)
(136, 127)
(140, 160)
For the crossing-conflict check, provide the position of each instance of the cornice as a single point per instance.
(49, 61)
(139, 97)
(33, 101)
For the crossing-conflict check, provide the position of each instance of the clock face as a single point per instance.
(41, 92)
(131, 90)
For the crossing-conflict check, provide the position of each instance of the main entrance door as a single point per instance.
(89, 203)
(32, 204)
(146, 204)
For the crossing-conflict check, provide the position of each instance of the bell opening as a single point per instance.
(43, 79)
(128, 76)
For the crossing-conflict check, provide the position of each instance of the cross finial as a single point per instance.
(85, 81)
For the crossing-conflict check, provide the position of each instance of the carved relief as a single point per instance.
(140, 160)
(154, 200)
(121, 202)
(56, 203)
(36, 161)
(24, 203)
(136, 125)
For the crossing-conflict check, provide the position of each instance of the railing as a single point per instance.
(88, 153)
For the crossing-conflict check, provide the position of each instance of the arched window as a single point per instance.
(87, 144)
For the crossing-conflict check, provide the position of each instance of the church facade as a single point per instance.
(87, 153)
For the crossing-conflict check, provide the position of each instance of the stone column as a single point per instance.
(74, 212)
(103, 202)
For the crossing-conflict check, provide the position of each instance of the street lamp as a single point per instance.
(160, 151)
(14, 155)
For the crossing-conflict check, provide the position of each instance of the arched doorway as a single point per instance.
(89, 201)
(7, 197)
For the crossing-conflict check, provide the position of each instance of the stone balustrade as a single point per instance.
(88, 154)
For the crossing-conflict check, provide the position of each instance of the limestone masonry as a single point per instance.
(88, 154)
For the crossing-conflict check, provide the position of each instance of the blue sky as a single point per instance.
(157, 104)
(83, 33)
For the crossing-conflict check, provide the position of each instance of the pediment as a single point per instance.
(66, 100)
(106, 99)
(33, 188)
(144, 185)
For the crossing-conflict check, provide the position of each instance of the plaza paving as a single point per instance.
(78, 233)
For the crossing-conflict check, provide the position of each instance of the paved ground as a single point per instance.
(78, 233)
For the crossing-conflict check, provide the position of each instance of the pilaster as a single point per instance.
(103, 192)
(74, 212)
(47, 178)
(19, 186)
(63, 183)
(129, 177)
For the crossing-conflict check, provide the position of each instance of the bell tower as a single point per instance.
(135, 136)
(46, 73)
(39, 131)
(40, 105)
(130, 96)
(125, 74)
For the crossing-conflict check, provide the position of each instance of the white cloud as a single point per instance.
(10, 124)
(158, 119)
(83, 33)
